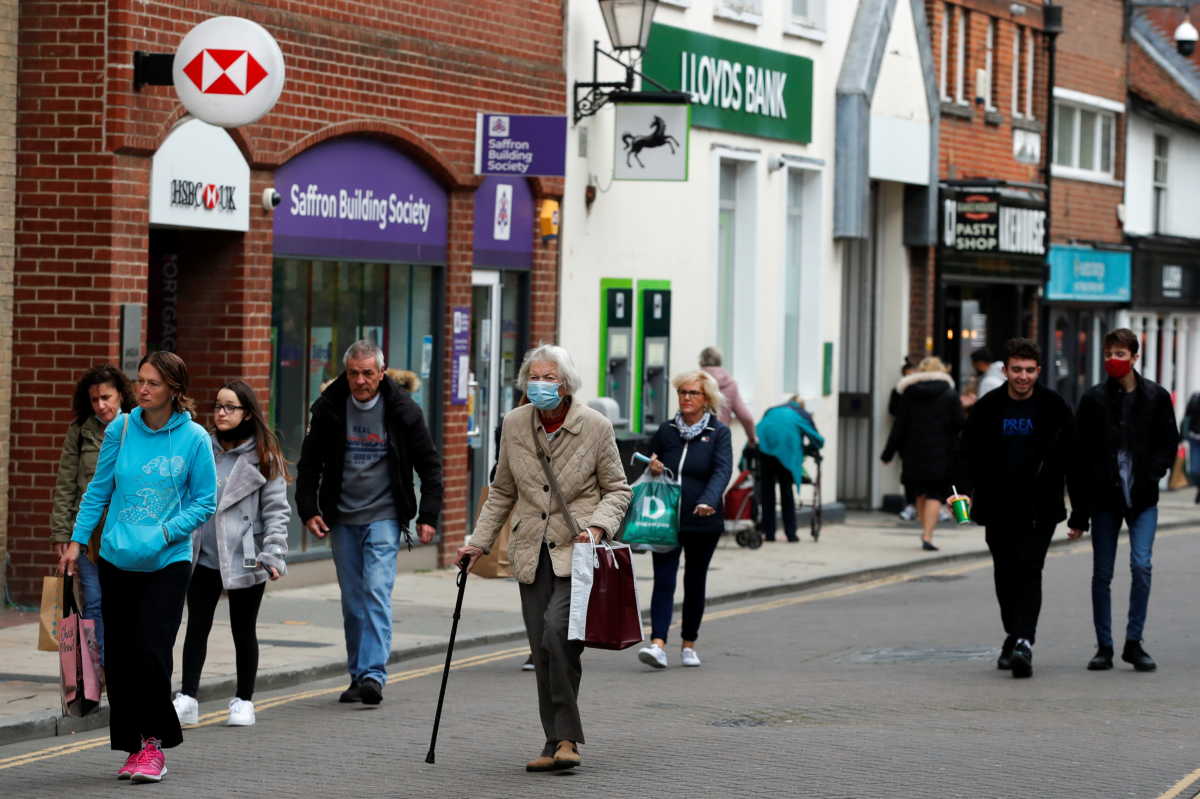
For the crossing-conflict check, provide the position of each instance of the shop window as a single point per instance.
(320, 307)
(1083, 141)
(726, 259)
(1161, 144)
(737, 305)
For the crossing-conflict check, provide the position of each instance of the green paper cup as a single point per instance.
(960, 504)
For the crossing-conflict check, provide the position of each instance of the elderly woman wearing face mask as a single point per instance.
(585, 474)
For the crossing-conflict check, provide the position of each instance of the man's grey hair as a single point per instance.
(568, 375)
(710, 356)
(363, 349)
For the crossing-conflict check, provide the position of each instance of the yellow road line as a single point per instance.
(218, 717)
(1178, 788)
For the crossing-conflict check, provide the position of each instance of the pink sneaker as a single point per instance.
(151, 766)
(126, 771)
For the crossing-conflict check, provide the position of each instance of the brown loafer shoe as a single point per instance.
(567, 755)
(542, 763)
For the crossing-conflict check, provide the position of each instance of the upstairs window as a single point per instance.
(1161, 146)
(1022, 73)
(1084, 140)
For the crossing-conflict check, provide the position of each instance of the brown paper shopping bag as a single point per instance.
(51, 614)
(494, 563)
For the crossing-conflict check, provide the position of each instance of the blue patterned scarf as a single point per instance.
(688, 432)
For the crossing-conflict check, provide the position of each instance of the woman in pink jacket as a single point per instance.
(734, 405)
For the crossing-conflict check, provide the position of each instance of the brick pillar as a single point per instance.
(543, 292)
(455, 466)
(8, 172)
(923, 301)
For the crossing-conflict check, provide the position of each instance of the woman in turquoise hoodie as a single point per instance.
(157, 480)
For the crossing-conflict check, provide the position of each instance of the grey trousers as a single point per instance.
(546, 605)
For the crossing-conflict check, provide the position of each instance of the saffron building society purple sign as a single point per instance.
(360, 198)
(521, 145)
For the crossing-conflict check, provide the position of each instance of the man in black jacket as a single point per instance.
(1126, 443)
(355, 477)
(1017, 438)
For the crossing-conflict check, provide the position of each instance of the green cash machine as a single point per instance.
(654, 337)
(617, 347)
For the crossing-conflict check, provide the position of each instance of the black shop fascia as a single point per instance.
(991, 264)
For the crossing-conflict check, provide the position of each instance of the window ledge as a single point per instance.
(743, 18)
(802, 31)
(1024, 123)
(960, 110)
(1086, 175)
(993, 117)
(677, 3)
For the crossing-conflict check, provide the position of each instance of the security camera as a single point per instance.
(270, 199)
(776, 163)
(1185, 38)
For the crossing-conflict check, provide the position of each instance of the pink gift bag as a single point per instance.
(78, 657)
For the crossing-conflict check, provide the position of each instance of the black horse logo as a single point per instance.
(657, 138)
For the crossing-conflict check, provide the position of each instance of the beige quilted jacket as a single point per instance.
(587, 465)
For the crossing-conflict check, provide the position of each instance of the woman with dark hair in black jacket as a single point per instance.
(925, 434)
(696, 447)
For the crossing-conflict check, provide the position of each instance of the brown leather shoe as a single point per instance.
(542, 763)
(567, 755)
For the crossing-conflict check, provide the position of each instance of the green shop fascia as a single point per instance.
(734, 86)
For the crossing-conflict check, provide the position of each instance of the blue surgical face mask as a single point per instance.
(543, 394)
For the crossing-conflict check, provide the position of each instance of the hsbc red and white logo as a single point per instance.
(228, 71)
(218, 71)
(198, 194)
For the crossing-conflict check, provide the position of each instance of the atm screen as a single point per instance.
(618, 346)
(656, 353)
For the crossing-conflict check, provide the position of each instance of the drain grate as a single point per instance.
(930, 655)
(938, 578)
(296, 644)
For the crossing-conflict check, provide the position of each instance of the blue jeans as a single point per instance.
(365, 558)
(1105, 526)
(89, 587)
(1194, 460)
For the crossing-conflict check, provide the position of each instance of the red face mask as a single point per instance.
(1117, 367)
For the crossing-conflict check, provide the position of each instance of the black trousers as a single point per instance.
(142, 612)
(557, 662)
(772, 473)
(697, 549)
(202, 597)
(1018, 555)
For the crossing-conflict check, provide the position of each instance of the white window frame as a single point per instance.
(739, 11)
(1018, 35)
(1030, 45)
(807, 26)
(1069, 100)
(944, 59)
(1160, 188)
(960, 57)
(802, 356)
(990, 58)
(740, 357)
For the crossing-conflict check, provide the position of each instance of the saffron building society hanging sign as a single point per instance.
(734, 86)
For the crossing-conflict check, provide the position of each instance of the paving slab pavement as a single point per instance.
(300, 629)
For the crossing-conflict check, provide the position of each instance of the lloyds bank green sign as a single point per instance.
(734, 86)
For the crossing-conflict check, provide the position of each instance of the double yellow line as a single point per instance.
(217, 717)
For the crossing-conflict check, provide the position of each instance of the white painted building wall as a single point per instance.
(1183, 175)
(668, 231)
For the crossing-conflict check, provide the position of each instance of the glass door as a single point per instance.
(483, 387)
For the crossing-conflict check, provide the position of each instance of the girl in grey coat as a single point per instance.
(242, 546)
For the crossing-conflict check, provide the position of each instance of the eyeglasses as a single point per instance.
(687, 392)
(220, 408)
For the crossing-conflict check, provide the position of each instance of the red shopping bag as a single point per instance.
(79, 658)
(604, 606)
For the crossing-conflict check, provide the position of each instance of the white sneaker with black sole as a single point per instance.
(653, 656)
(241, 713)
(187, 709)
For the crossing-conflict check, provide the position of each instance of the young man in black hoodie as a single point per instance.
(1126, 443)
(1017, 438)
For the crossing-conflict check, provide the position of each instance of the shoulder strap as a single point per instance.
(544, 459)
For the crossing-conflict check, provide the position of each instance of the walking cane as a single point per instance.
(437, 717)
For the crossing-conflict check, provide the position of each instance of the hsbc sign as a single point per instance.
(200, 179)
(199, 194)
(228, 71)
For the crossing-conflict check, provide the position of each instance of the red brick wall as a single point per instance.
(411, 71)
(1091, 59)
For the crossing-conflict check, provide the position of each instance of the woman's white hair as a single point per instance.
(713, 400)
(568, 375)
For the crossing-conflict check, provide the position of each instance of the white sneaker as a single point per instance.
(909, 513)
(241, 713)
(653, 656)
(688, 657)
(187, 708)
